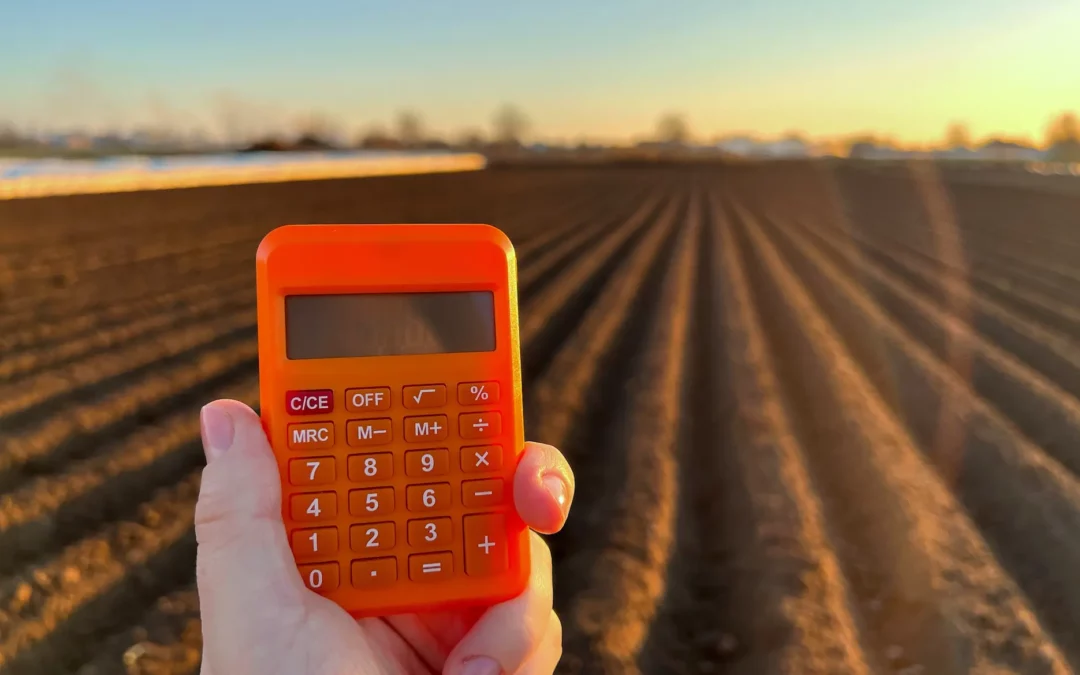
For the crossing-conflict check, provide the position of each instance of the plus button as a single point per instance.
(486, 545)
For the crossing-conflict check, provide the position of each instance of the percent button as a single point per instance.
(478, 393)
(480, 425)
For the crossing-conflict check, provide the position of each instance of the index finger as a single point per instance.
(543, 488)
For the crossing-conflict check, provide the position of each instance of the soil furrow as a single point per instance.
(931, 593)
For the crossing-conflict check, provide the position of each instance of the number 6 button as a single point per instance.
(420, 498)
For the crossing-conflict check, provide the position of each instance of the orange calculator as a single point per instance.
(390, 385)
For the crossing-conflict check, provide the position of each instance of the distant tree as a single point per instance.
(317, 128)
(470, 139)
(510, 125)
(957, 135)
(672, 127)
(410, 128)
(377, 138)
(1064, 127)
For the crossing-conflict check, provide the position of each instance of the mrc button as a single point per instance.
(310, 402)
(311, 436)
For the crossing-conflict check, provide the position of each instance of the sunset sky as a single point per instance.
(601, 70)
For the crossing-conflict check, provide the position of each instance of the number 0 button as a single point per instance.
(321, 578)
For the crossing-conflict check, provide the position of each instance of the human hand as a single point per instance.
(258, 618)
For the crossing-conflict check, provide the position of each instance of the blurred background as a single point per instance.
(799, 283)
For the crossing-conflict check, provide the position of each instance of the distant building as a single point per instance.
(1007, 151)
(1064, 151)
(745, 146)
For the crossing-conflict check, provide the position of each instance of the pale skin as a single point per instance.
(258, 618)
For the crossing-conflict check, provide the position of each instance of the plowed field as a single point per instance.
(825, 419)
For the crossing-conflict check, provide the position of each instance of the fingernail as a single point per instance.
(217, 431)
(556, 487)
(480, 665)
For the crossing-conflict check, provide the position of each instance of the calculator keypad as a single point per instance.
(410, 453)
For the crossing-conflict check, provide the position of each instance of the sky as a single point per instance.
(598, 70)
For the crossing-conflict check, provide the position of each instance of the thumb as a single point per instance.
(250, 592)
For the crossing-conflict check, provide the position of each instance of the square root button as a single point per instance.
(480, 425)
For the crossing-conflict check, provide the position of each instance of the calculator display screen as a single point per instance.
(388, 324)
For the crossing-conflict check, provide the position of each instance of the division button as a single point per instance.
(374, 573)
(431, 566)
(480, 425)
(424, 396)
(486, 552)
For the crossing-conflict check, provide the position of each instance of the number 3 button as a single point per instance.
(430, 533)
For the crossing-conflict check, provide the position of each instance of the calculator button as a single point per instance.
(321, 578)
(374, 573)
(427, 462)
(485, 545)
(311, 436)
(367, 399)
(430, 533)
(424, 396)
(320, 542)
(481, 458)
(379, 466)
(314, 506)
(310, 402)
(312, 471)
(479, 425)
(372, 537)
(431, 566)
(373, 502)
(482, 493)
(361, 433)
(478, 393)
(426, 428)
(420, 498)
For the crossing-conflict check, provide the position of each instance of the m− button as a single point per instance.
(309, 402)
(363, 433)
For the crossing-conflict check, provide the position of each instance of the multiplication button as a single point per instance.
(481, 458)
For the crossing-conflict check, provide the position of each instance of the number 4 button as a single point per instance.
(485, 545)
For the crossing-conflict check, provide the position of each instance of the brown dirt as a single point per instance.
(825, 417)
